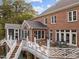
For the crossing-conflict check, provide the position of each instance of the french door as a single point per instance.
(70, 37)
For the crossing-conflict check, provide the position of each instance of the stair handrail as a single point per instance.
(19, 50)
(11, 50)
(8, 43)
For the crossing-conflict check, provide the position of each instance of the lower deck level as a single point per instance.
(27, 55)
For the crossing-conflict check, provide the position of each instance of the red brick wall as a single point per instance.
(61, 21)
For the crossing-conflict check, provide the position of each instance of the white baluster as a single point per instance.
(11, 50)
(19, 50)
(27, 39)
(35, 40)
(48, 43)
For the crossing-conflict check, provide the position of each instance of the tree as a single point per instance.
(14, 12)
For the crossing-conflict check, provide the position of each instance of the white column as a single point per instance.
(37, 34)
(24, 34)
(7, 30)
(65, 35)
(59, 35)
(27, 39)
(48, 43)
(14, 34)
(18, 34)
(30, 34)
(70, 37)
(49, 34)
(35, 40)
(21, 34)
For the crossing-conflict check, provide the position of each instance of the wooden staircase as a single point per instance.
(15, 50)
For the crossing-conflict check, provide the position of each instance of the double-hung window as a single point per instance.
(72, 15)
(45, 21)
(53, 20)
(39, 34)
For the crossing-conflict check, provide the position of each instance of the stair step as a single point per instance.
(15, 50)
(11, 57)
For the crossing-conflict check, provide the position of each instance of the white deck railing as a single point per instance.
(11, 50)
(18, 51)
(2, 41)
(53, 52)
(43, 51)
(10, 43)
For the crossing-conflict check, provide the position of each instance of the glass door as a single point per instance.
(68, 38)
(74, 39)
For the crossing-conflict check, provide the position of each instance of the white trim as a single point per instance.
(55, 36)
(18, 34)
(76, 38)
(45, 21)
(59, 35)
(69, 37)
(7, 35)
(45, 34)
(37, 34)
(50, 32)
(24, 33)
(64, 35)
(14, 34)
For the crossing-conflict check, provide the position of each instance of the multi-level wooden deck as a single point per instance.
(44, 52)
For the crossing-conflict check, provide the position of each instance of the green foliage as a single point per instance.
(2, 33)
(14, 12)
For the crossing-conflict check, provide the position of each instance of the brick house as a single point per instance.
(56, 26)
(59, 23)
(28, 28)
(62, 21)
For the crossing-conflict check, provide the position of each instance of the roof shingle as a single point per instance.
(36, 25)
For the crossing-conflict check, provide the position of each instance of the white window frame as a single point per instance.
(41, 34)
(24, 34)
(72, 16)
(56, 36)
(76, 38)
(45, 21)
(70, 38)
(53, 20)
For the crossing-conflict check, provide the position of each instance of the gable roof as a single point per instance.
(62, 4)
(35, 25)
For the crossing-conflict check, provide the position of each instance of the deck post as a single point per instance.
(18, 34)
(27, 39)
(35, 40)
(48, 43)
(7, 34)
